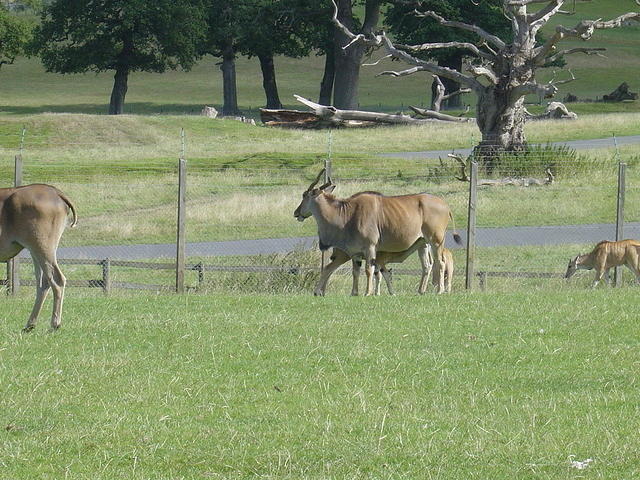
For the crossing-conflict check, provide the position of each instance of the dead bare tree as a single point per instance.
(502, 73)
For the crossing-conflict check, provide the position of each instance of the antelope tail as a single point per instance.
(66, 200)
(456, 237)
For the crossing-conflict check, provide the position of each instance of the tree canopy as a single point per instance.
(15, 33)
(125, 36)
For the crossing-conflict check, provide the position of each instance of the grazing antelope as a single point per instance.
(447, 261)
(369, 222)
(34, 217)
(605, 256)
(381, 270)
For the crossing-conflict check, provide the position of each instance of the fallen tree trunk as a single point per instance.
(554, 111)
(325, 116)
(620, 94)
(289, 118)
(498, 182)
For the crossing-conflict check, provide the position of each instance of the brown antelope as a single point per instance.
(447, 261)
(338, 257)
(605, 256)
(34, 217)
(369, 222)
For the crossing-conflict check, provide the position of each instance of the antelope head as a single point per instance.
(574, 265)
(310, 195)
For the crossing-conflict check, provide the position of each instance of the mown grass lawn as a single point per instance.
(188, 387)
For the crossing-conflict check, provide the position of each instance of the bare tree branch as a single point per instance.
(440, 93)
(524, 3)
(433, 46)
(586, 51)
(463, 26)
(401, 73)
(441, 87)
(540, 18)
(376, 62)
(430, 66)
(544, 90)
(373, 41)
(484, 72)
(440, 116)
(583, 30)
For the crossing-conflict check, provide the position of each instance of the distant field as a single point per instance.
(461, 386)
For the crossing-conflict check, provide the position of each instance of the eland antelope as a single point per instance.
(34, 217)
(606, 255)
(369, 222)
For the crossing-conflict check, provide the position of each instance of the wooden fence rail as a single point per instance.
(106, 283)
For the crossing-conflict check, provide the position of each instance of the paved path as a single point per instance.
(577, 144)
(485, 237)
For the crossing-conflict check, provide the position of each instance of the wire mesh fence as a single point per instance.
(534, 211)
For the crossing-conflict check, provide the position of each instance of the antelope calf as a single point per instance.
(447, 261)
(605, 256)
(338, 257)
(34, 217)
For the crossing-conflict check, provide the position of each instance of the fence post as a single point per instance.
(471, 224)
(327, 176)
(180, 241)
(106, 276)
(622, 167)
(483, 280)
(200, 267)
(13, 265)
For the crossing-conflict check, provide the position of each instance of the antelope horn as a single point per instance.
(313, 184)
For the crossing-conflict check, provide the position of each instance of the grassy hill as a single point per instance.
(25, 88)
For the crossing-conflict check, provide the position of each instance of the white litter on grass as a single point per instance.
(579, 465)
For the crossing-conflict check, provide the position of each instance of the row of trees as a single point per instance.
(499, 39)
(125, 36)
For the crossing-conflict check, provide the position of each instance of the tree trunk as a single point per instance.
(501, 122)
(326, 86)
(347, 78)
(347, 61)
(116, 105)
(229, 86)
(454, 62)
(269, 81)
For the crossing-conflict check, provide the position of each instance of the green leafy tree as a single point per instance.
(15, 33)
(348, 60)
(269, 28)
(124, 36)
(223, 30)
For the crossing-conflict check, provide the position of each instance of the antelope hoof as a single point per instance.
(28, 328)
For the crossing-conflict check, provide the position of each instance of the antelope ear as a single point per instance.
(329, 189)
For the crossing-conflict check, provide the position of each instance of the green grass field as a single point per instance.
(462, 386)
(252, 377)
